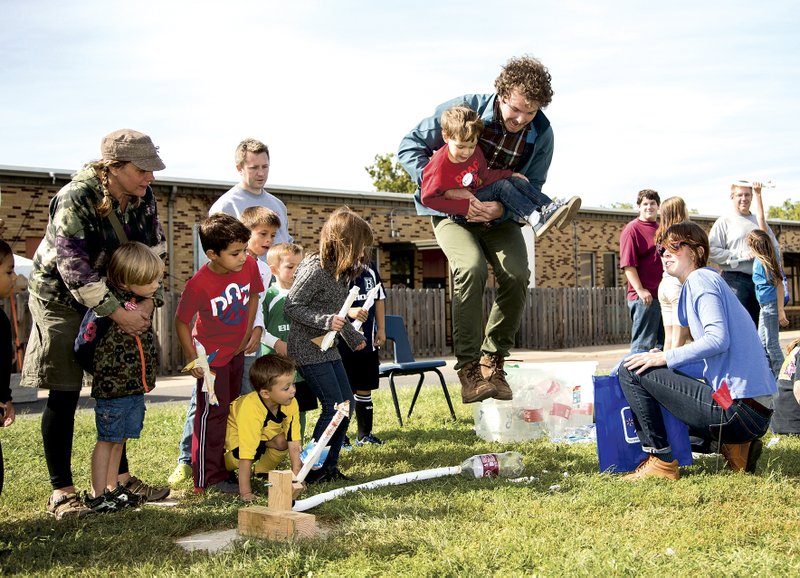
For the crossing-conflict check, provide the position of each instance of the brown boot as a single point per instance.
(737, 455)
(474, 387)
(493, 372)
(654, 467)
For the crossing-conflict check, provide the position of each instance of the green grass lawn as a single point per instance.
(705, 524)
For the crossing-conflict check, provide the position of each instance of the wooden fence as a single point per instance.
(552, 319)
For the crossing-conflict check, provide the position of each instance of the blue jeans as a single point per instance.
(247, 387)
(690, 401)
(770, 338)
(185, 445)
(517, 195)
(329, 383)
(647, 326)
(745, 290)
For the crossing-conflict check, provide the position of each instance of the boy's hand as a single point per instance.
(360, 346)
(380, 337)
(244, 342)
(248, 497)
(281, 347)
(197, 372)
(782, 319)
(358, 313)
(483, 212)
(520, 176)
(459, 195)
(255, 340)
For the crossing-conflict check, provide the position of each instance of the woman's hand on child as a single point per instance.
(131, 322)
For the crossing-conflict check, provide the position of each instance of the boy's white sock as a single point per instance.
(534, 218)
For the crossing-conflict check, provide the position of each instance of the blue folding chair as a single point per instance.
(404, 364)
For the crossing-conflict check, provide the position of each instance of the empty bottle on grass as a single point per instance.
(507, 465)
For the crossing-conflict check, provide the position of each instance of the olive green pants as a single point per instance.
(469, 248)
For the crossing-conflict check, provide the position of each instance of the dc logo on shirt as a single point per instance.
(231, 306)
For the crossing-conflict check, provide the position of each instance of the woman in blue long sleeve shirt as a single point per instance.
(726, 341)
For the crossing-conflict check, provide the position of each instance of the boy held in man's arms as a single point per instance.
(264, 425)
(283, 260)
(123, 369)
(458, 176)
(263, 225)
(219, 295)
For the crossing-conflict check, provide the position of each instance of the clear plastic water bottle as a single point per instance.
(507, 465)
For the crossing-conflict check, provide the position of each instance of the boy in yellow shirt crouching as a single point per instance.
(264, 425)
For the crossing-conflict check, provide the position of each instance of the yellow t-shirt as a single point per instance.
(250, 423)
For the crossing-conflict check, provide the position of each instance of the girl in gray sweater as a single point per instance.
(319, 290)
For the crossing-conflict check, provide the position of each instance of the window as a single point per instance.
(585, 269)
(610, 270)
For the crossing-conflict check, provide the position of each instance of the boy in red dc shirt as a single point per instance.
(457, 175)
(219, 295)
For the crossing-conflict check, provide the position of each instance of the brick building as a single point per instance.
(586, 255)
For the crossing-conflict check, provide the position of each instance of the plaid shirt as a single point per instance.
(502, 149)
(71, 260)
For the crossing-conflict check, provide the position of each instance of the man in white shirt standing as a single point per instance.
(252, 162)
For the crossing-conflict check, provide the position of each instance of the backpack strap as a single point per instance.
(121, 236)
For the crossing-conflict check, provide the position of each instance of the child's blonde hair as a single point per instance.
(253, 217)
(276, 253)
(761, 245)
(267, 368)
(461, 123)
(134, 263)
(343, 243)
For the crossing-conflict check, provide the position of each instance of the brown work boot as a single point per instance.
(493, 372)
(474, 387)
(654, 467)
(737, 455)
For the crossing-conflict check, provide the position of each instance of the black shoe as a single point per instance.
(756, 447)
(335, 475)
(124, 498)
(102, 503)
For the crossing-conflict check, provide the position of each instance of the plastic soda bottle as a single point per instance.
(507, 465)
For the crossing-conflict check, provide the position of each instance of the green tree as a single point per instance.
(389, 176)
(789, 211)
(621, 205)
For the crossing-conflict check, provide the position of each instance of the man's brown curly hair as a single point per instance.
(529, 77)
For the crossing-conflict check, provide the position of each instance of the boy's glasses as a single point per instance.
(671, 247)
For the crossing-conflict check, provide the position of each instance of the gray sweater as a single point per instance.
(315, 297)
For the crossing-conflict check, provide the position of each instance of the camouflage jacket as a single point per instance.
(71, 260)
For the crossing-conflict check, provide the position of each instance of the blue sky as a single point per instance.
(682, 97)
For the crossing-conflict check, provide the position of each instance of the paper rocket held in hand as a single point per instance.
(325, 342)
(202, 362)
(372, 294)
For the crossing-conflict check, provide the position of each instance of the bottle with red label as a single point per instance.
(506, 465)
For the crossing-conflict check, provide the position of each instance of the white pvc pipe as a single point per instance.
(313, 501)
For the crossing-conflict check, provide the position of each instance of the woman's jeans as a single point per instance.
(768, 328)
(329, 383)
(690, 401)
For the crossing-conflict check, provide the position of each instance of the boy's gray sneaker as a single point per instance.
(227, 487)
(557, 213)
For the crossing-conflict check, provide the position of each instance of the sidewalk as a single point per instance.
(178, 388)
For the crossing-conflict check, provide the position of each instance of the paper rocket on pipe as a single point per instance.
(202, 362)
(325, 342)
(342, 411)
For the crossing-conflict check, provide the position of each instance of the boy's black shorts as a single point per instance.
(362, 369)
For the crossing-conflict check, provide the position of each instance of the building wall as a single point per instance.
(26, 193)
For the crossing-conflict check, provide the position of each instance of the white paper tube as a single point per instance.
(313, 501)
(327, 342)
(342, 411)
(368, 303)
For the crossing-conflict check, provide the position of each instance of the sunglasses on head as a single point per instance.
(671, 247)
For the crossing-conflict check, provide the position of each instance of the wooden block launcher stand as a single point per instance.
(277, 521)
